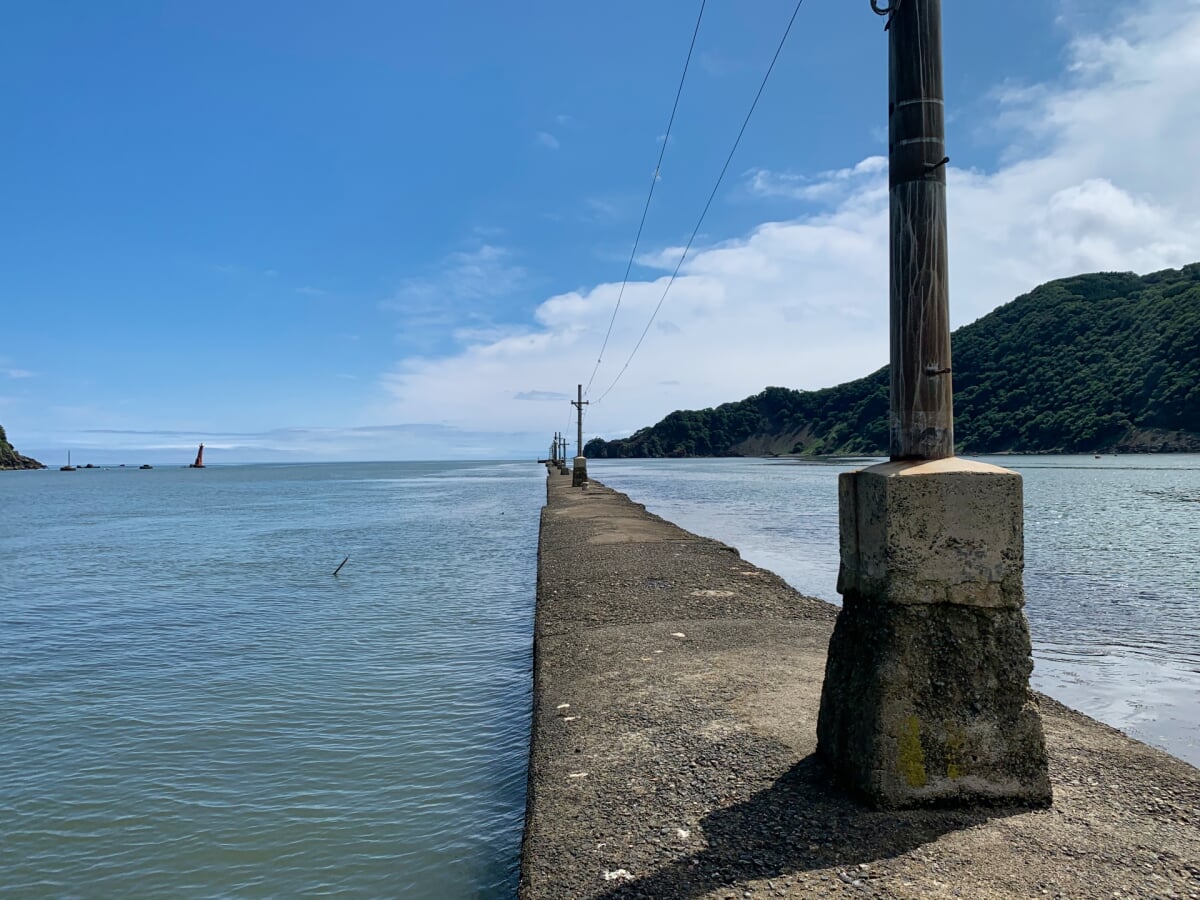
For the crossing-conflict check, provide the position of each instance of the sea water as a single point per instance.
(1112, 577)
(192, 704)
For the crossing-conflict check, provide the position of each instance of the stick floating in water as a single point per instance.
(339, 568)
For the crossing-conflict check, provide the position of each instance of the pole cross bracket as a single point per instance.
(933, 167)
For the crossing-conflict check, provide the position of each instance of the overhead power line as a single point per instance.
(653, 181)
(713, 194)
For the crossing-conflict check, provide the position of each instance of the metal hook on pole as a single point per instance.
(889, 11)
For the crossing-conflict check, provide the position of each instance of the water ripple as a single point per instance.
(192, 705)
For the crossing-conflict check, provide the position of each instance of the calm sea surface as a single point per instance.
(1112, 554)
(191, 705)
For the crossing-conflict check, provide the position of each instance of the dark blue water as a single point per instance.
(1112, 578)
(192, 705)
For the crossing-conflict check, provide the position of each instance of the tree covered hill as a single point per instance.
(11, 459)
(1109, 361)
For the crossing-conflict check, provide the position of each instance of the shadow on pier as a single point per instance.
(800, 823)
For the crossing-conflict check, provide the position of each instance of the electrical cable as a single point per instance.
(646, 208)
(713, 194)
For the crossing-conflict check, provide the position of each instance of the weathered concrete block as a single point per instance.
(926, 695)
(579, 472)
(944, 531)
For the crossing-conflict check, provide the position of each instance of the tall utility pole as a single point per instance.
(579, 405)
(926, 694)
(922, 409)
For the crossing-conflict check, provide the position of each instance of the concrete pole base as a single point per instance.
(579, 472)
(926, 697)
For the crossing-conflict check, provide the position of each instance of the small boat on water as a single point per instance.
(199, 463)
(145, 466)
(68, 467)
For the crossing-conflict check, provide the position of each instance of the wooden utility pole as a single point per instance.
(926, 694)
(922, 409)
(579, 405)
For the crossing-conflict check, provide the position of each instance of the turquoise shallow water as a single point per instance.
(1112, 577)
(191, 705)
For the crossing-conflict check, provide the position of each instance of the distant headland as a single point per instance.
(11, 459)
(1108, 362)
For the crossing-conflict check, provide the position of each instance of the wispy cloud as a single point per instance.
(479, 274)
(823, 187)
(458, 299)
(18, 373)
(423, 440)
(603, 209)
(547, 140)
(540, 395)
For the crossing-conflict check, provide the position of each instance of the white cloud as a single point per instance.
(1098, 176)
(18, 373)
(547, 140)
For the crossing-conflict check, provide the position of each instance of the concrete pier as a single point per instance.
(676, 693)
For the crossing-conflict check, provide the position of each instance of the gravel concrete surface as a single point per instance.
(676, 689)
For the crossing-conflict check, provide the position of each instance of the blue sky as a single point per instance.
(395, 231)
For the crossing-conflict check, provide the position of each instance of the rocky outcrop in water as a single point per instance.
(11, 459)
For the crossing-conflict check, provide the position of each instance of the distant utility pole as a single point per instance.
(922, 408)
(579, 405)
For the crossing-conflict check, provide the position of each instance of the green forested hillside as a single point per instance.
(1109, 361)
(11, 459)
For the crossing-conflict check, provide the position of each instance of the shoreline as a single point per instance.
(682, 764)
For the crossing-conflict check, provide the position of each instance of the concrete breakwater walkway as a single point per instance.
(676, 690)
